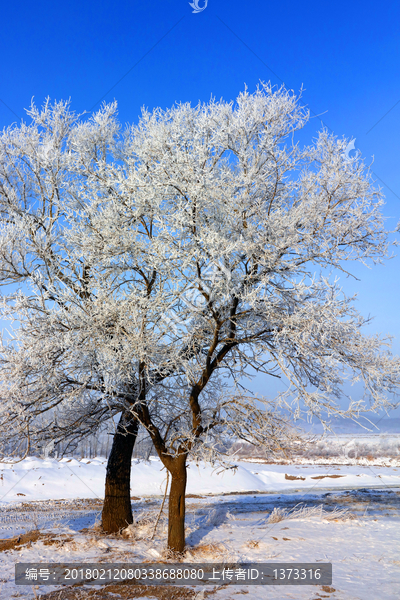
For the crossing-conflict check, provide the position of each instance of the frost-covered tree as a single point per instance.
(199, 245)
(54, 383)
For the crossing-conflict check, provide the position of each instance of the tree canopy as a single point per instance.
(193, 248)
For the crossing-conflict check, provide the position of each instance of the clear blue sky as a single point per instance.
(346, 55)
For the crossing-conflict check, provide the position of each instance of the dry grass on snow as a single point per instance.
(304, 512)
(31, 537)
(122, 591)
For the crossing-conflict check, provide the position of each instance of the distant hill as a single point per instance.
(385, 425)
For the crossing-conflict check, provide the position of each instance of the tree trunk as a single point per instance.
(117, 509)
(176, 512)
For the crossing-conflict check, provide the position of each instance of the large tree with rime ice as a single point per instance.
(194, 246)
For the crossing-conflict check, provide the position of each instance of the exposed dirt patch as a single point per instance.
(328, 589)
(17, 542)
(239, 493)
(51, 505)
(331, 476)
(125, 592)
(293, 477)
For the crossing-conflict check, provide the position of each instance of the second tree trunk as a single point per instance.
(176, 513)
(117, 509)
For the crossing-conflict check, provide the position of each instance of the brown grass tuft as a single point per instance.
(17, 542)
(207, 549)
(328, 589)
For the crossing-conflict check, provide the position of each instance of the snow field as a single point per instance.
(307, 515)
(51, 479)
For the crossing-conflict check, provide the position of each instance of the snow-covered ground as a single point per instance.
(51, 479)
(230, 516)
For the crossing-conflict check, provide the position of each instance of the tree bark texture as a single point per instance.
(117, 509)
(176, 507)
